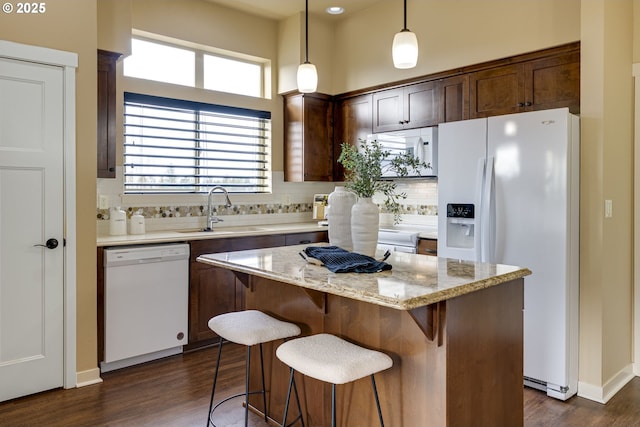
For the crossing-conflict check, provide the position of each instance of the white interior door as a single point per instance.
(31, 213)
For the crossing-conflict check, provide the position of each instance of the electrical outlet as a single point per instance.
(608, 208)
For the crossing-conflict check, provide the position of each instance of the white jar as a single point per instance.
(117, 222)
(339, 217)
(136, 224)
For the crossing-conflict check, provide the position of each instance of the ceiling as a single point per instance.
(278, 9)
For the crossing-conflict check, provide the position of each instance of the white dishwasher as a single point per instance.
(146, 301)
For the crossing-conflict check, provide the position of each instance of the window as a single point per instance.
(162, 63)
(230, 75)
(202, 67)
(176, 146)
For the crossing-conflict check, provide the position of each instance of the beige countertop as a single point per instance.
(414, 281)
(218, 233)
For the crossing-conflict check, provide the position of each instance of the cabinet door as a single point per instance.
(453, 95)
(388, 110)
(212, 291)
(496, 91)
(406, 107)
(106, 125)
(308, 139)
(421, 107)
(428, 247)
(353, 120)
(554, 82)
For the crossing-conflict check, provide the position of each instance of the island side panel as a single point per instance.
(411, 393)
(471, 375)
(484, 334)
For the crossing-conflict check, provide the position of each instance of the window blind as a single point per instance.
(177, 146)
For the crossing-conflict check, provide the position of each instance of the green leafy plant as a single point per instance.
(365, 165)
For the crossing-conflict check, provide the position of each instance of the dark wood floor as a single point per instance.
(175, 392)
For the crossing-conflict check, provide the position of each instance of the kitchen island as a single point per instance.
(453, 329)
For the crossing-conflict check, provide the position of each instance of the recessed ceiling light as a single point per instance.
(335, 10)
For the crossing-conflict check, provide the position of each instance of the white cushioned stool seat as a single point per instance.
(331, 359)
(251, 327)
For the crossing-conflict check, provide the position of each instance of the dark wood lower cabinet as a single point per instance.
(428, 247)
(215, 290)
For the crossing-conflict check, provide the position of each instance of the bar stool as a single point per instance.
(249, 327)
(333, 360)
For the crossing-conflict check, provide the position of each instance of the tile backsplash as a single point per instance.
(288, 203)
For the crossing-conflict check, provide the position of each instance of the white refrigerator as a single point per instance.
(508, 193)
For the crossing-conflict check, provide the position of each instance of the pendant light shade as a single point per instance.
(307, 73)
(405, 46)
(307, 78)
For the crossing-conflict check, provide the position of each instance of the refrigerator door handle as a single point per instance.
(478, 239)
(488, 213)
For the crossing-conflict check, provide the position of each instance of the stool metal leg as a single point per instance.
(375, 393)
(264, 388)
(333, 405)
(246, 393)
(246, 389)
(295, 391)
(292, 384)
(215, 379)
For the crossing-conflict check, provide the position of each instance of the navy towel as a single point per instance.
(339, 260)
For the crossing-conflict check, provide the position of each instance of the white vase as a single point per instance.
(339, 217)
(365, 220)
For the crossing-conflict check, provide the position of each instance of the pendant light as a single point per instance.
(405, 46)
(307, 74)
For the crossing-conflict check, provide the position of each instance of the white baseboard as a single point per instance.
(602, 394)
(89, 377)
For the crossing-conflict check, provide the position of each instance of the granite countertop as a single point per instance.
(414, 281)
(218, 233)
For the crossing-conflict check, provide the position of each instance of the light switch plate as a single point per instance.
(608, 208)
(103, 202)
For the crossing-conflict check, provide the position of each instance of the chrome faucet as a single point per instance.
(212, 219)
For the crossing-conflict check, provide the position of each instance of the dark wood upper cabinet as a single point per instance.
(308, 137)
(453, 95)
(406, 107)
(535, 84)
(353, 121)
(497, 91)
(554, 82)
(107, 113)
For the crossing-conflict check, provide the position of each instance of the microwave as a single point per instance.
(421, 143)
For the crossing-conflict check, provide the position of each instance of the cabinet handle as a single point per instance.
(520, 104)
(527, 104)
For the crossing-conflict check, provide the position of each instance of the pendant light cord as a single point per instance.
(405, 15)
(306, 31)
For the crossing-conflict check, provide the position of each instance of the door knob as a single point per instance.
(51, 244)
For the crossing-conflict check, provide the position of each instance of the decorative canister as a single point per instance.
(339, 217)
(137, 224)
(117, 222)
(365, 220)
